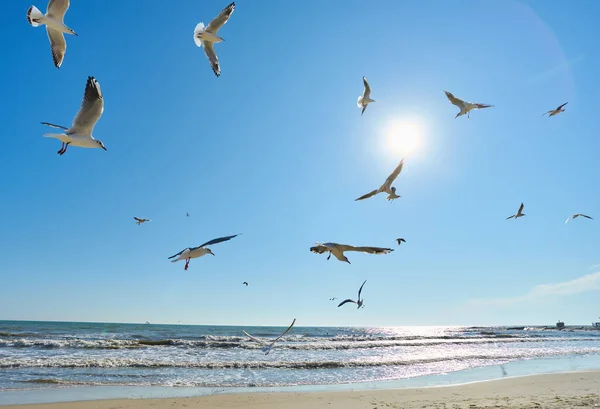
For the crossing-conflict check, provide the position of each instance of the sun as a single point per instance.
(403, 138)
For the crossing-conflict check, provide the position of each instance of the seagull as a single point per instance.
(387, 185)
(195, 252)
(140, 221)
(80, 133)
(556, 111)
(400, 241)
(268, 347)
(338, 250)
(333, 299)
(519, 213)
(53, 19)
(359, 302)
(187, 215)
(365, 98)
(465, 107)
(575, 216)
(245, 283)
(207, 36)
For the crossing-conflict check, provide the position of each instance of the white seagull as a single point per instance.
(206, 36)
(140, 221)
(387, 185)
(358, 301)
(465, 107)
(195, 252)
(80, 133)
(338, 250)
(575, 216)
(267, 347)
(53, 19)
(556, 111)
(365, 98)
(519, 213)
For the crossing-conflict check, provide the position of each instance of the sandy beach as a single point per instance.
(565, 390)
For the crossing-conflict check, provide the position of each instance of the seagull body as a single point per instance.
(140, 221)
(556, 111)
(80, 132)
(195, 252)
(53, 20)
(465, 107)
(268, 347)
(205, 37)
(365, 98)
(387, 185)
(575, 216)
(338, 250)
(358, 301)
(519, 213)
(400, 241)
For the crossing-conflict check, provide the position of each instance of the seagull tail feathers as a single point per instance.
(360, 102)
(35, 16)
(199, 29)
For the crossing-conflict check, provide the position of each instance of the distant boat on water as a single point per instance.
(596, 324)
(560, 324)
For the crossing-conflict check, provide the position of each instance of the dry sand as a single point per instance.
(564, 391)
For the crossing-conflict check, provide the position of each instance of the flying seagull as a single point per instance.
(359, 302)
(400, 241)
(338, 250)
(245, 283)
(365, 98)
(556, 111)
(187, 215)
(387, 185)
(575, 216)
(140, 221)
(80, 132)
(333, 299)
(465, 107)
(206, 36)
(195, 252)
(267, 347)
(53, 19)
(519, 213)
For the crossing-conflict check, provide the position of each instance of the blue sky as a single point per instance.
(276, 149)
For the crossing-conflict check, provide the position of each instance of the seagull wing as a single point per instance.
(58, 45)
(479, 106)
(568, 218)
(521, 208)
(360, 289)
(180, 253)
(55, 126)
(284, 332)
(260, 341)
(138, 219)
(587, 217)
(390, 179)
(367, 91)
(560, 107)
(57, 9)
(346, 301)
(219, 240)
(221, 19)
(365, 249)
(455, 101)
(209, 50)
(510, 217)
(319, 249)
(91, 109)
(368, 195)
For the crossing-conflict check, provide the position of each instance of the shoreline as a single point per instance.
(558, 390)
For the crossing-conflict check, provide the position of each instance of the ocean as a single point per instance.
(38, 355)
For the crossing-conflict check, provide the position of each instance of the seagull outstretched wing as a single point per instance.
(346, 301)
(219, 240)
(221, 19)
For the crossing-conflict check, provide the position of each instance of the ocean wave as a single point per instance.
(140, 363)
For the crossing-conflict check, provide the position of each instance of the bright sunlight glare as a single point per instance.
(403, 138)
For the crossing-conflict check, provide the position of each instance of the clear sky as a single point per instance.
(276, 149)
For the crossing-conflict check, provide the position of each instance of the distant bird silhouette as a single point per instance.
(268, 347)
(358, 302)
(194, 252)
(338, 250)
(556, 111)
(465, 107)
(387, 185)
(365, 98)
(519, 213)
(140, 221)
(332, 299)
(575, 216)
(187, 215)
(245, 283)
(400, 241)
